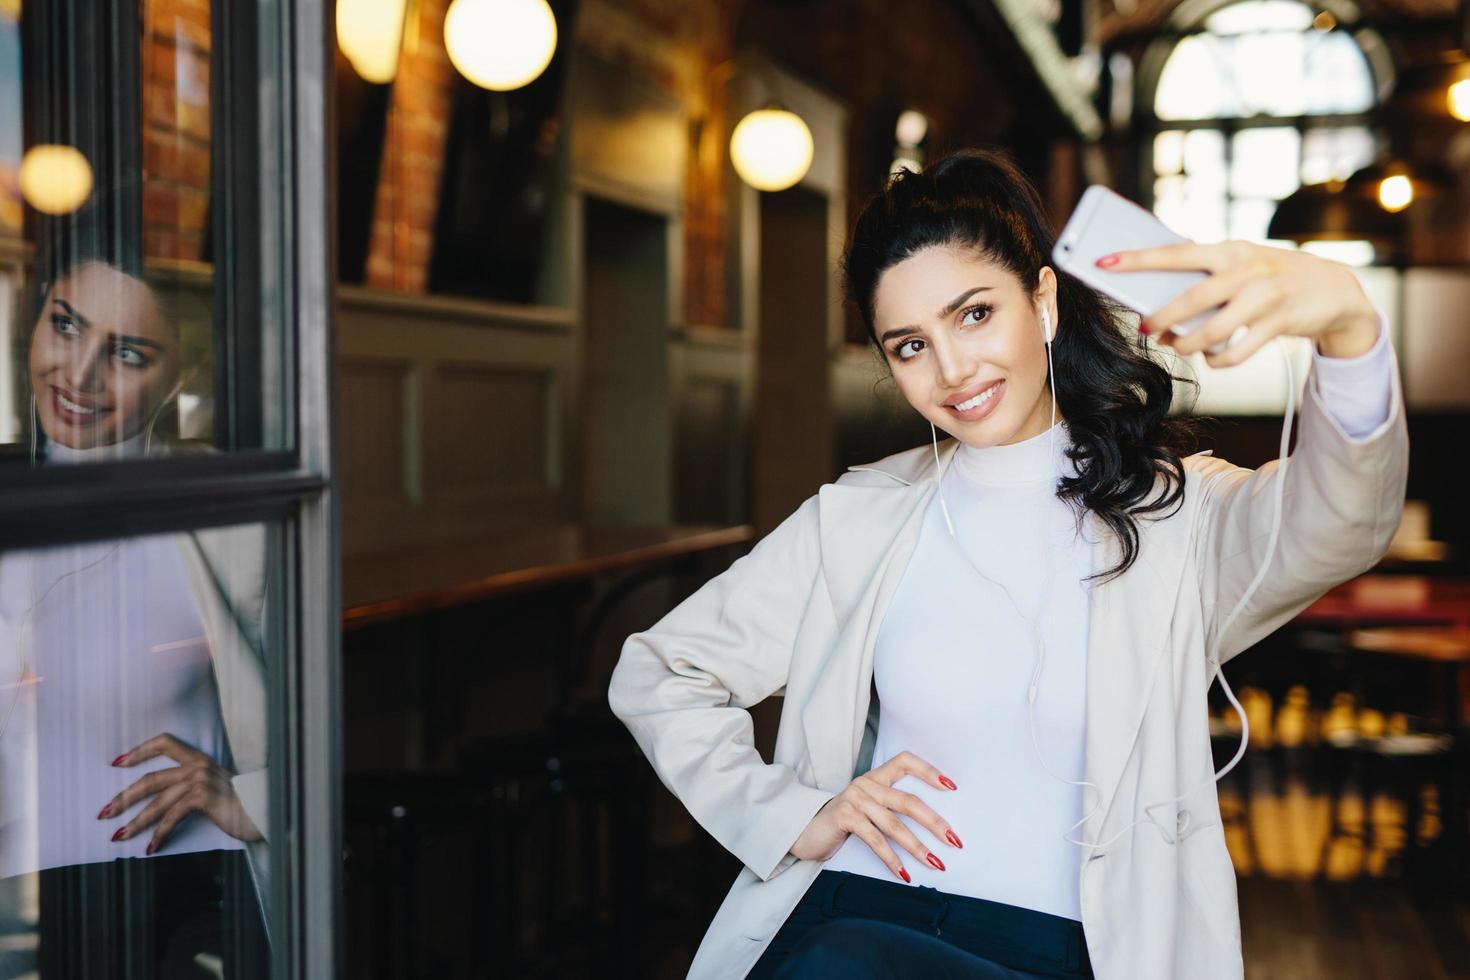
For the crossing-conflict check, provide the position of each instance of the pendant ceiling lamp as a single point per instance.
(771, 149)
(1437, 89)
(500, 45)
(370, 32)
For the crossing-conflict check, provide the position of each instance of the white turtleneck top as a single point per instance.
(954, 658)
(101, 648)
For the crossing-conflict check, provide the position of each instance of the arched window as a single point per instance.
(1252, 100)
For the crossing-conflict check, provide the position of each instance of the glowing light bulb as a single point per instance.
(771, 149)
(500, 44)
(55, 179)
(369, 32)
(1395, 193)
(1459, 100)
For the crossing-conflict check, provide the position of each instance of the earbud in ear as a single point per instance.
(1046, 331)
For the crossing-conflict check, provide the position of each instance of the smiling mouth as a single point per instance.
(978, 400)
(76, 410)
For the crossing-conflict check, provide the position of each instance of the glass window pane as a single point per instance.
(1337, 77)
(1336, 153)
(1204, 158)
(1169, 152)
(1264, 162)
(1194, 212)
(1260, 15)
(1192, 84)
(114, 327)
(1249, 218)
(124, 660)
(1268, 71)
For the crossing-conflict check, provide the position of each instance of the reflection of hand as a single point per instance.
(196, 785)
(868, 809)
(1272, 291)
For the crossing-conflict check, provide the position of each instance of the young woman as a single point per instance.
(993, 758)
(132, 712)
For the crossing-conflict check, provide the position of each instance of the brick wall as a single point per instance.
(413, 157)
(175, 67)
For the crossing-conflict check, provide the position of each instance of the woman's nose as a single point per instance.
(954, 367)
(85, 368)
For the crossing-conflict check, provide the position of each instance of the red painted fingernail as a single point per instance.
(953, 838)
(120, 759)
(152, 846)
(1143, 327)
(121, 833)
(933, 859)
(106, 812)
(1107, 261)
(947, 783)
(905, 876)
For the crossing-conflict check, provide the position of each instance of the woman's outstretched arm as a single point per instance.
(1342, 492)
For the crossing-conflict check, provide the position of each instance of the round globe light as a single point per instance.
(1459, 100)
(500, 44)
(771, 149)
(912, 127)
(369, 33)
(55, 179)
(1395, 192)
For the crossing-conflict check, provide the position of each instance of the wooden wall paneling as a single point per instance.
(711, 372)
(482, 419)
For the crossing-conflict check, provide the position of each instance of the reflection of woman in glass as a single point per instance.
(132, 720)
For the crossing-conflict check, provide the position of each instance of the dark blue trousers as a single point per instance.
(859, 928)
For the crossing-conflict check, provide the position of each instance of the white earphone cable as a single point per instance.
(1212, 656)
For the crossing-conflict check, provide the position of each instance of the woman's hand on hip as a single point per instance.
(1271, 291)
(197, 784)
(869, 809)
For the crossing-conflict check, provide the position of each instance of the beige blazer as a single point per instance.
(226, 572)
(799, 614)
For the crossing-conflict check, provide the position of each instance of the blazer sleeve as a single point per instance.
(683, 688)
(1341, 503)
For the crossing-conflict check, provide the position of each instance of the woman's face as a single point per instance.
(103, 357)
(963, 339)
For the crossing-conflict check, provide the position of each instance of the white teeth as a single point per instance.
(979, 399)
(72, 406)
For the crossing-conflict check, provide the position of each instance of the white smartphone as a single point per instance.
(1106, 222)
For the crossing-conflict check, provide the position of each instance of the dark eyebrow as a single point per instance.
(120, 338)
(959, 301)
(949, 309)
(72, 312)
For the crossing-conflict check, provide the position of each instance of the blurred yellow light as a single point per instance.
(1395, 193)
(771, 149)
(500, 44)
(10, 8)
(1324, 21)
(369, 32)
(55, 179)
(1459, 100)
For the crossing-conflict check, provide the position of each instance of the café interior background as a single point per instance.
(588, 344)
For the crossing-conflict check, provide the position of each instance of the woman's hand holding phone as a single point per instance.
(869, 809)
(1272, 292)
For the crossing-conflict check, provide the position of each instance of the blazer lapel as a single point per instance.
(867, 532)
(1129, 622)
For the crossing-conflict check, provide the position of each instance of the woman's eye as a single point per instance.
(130, 356)
(979, 313)
(64, 325)
(908, 346)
